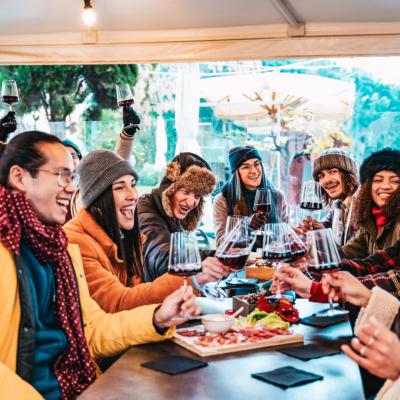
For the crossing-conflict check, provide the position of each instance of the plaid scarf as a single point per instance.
(74, 368)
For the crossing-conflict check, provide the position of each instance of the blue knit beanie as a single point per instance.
(238, 155)
(70, 143)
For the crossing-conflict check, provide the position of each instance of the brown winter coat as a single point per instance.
(367, 241)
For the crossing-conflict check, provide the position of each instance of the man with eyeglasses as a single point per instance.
(51, 330)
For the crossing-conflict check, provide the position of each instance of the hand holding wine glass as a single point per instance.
(184, 255)
(323, 257)
(292, 278)
(281, 244)
(342, 285)
(8, 124)
(131, 119)
(233, 252)
(311, 197)
(9, 93)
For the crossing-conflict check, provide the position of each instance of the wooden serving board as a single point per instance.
(189, 343)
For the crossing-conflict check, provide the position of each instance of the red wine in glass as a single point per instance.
(276, 255)
(262, 202)
(236, 261)
(323, 267)
(263, 208)
(311, 206)
(296, 254)
(184, 270)
(124, 95)
(9, 93)
(282, 255)
(10, 99)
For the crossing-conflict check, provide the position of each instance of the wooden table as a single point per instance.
(229, 376)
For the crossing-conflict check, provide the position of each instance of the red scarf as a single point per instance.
(74, 369)
(380, 219)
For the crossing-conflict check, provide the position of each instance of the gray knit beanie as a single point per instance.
(97, 171)
(334, 158)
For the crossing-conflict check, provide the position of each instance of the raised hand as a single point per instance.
(310, 224)
(131, 120)
(341, 285)
(212, 270)
(8, 124)
(291, 278)
(257, 220)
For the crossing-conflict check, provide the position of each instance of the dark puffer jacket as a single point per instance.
(157, 226)
(156, 217)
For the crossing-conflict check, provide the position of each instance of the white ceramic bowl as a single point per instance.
(217, 323)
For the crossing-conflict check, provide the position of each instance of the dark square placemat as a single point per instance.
(287, 377)
(174, 365)
(322, 322)
(309, 351)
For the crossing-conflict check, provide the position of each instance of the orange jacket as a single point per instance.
(105, 272)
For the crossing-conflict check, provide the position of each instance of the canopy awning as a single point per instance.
(51, 31)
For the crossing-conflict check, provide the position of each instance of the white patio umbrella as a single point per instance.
(251, 100)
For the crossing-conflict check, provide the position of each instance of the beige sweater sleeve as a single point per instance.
(382, 305)
(220, 216)
(124, 145)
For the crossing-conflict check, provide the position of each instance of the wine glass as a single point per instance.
(311, 197)
(294, 217)
(262, 202)
(323, 256)
(124, 95)
(184, 256)
(263, 206)
(9, 93)
(281, 244)
(232, 221)
(233, 252)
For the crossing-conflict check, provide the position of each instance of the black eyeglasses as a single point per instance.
(64, 177)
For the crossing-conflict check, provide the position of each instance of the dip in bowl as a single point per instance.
(217, 323)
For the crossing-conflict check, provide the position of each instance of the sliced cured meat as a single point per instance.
(191, 332)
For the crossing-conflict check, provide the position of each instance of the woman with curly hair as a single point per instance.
(377, 205)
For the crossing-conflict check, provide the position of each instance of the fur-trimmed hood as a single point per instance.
(195, 177)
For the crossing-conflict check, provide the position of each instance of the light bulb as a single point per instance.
(88, 16)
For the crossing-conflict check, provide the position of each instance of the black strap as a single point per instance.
(26, 334)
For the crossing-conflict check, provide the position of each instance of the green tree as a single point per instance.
(99, 81)
(58, 88)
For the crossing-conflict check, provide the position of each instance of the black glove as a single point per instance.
(131, 120)
(8, 124)
(257, 220)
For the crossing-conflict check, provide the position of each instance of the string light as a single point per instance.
(88, 15)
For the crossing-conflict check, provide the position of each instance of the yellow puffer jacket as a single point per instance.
(106, 334)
